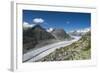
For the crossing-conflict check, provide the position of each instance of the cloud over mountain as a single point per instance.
(27, 25)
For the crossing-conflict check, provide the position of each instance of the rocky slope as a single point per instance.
(80, 50)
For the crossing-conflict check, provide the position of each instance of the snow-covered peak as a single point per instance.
(50, 30)
(83, 30)
(80, 31)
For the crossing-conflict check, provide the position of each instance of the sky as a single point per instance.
(63, 20)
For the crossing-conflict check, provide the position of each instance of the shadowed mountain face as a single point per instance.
(34, 36)
(60, 34)
(38, 33)
(79, 50)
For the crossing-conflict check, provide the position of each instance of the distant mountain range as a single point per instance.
(37, 35)
(79, 32)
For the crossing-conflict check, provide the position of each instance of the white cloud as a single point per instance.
(38, 21)
(27, 25)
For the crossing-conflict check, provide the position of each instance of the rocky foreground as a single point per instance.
(79, 50)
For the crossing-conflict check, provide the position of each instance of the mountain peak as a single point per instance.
(60, 34)
(38, 27)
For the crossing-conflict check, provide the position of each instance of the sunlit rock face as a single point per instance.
(60, 34)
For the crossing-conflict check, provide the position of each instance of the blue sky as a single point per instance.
(64, 20)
